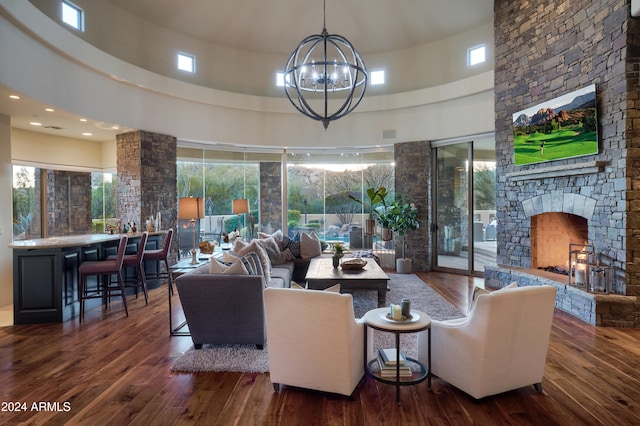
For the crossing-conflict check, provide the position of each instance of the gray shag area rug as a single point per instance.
(249, 359)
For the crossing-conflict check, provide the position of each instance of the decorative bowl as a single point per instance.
(353, 264)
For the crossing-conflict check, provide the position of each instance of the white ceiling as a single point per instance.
(269, 26)
(373, 26)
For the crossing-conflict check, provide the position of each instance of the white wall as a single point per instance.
(70, 74)
(140, 42)
(44, 150)
(6, 213)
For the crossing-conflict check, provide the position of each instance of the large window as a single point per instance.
(69, 209)
(26, 204)
(321, 188)
(465, 204)
(220, 177)
(318, 188)
(104, 201)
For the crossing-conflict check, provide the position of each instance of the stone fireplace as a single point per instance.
(551, 235)
(550, 51)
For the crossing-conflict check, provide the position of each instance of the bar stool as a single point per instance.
(104, 268)
(161, 255)
(135, 261)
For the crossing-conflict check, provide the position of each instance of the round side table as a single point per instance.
(376, 319)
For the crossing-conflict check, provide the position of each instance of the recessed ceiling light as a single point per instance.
(49, 109)
(83, 119)
(14, 96)
(87, 134)
(115, 127)
(35, 123)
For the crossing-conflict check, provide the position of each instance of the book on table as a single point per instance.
(389, 356)
(388, 366)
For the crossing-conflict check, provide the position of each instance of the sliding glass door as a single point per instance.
(464, 205)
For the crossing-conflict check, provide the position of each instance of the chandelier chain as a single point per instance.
(324, 14)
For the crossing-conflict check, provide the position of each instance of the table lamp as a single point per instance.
(240, 206)
(191, 209)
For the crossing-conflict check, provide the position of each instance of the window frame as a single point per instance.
(376, 80)
(470, 52)
(189, 56)
(79, 24)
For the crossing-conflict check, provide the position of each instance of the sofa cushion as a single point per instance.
(310, 245)
(280, 276)
(203, 269)
(271, 246)
(236, 268)
(257, 264)
(242, 248)
(248, 260)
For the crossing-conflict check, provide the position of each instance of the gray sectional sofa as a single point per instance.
(229, 309)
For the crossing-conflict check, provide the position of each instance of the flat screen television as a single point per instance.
(563, 127)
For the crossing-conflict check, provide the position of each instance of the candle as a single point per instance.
(397, 312)
(406, 308)
(580, 275)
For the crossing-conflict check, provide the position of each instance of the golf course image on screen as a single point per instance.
(560, 128)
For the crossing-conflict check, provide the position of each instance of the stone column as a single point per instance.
(413, 179)
(270, 196)
(146, 164)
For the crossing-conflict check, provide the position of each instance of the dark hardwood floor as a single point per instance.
(116, 370)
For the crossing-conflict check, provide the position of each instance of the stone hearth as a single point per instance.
(610, 310)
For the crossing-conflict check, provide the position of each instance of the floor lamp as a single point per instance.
(240, 206)
(191, 209)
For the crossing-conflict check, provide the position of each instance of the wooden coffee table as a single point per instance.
(322, 274)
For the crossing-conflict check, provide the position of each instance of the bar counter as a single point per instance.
(45, 272)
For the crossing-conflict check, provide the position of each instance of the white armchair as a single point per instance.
(501, 345)
(313, 340)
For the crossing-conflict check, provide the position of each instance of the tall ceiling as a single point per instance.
(373, 26)
(269, 26)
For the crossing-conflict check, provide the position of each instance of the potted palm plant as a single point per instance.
(403, 217)
(375, 196)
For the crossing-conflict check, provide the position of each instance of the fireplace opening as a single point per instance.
(551, 234)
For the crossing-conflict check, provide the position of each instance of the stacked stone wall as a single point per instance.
(550, 49)
(271, 196)
(413, 179)
(146, 163)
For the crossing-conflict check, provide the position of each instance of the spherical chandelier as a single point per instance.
(325, 77)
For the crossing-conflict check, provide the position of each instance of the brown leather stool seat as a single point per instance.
(103, 268)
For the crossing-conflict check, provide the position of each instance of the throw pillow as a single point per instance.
(310, 245)
(288, 255)
(273, 250)
(247, 260)
(257, 265)
(262, 254)
(291, 248)
(228, 257)
(236, 268)
(278, 235)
